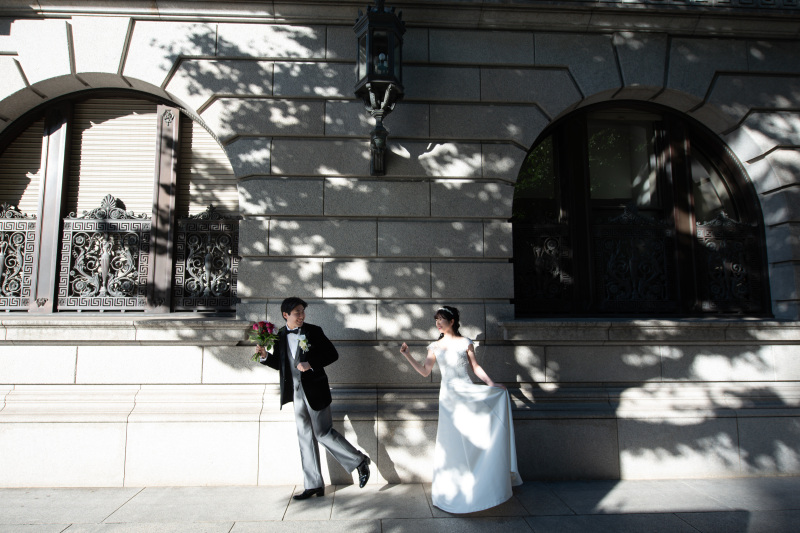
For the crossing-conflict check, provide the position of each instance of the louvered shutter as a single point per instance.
(20, 170)
(113, 152)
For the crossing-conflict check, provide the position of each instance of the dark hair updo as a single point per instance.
(449, 313)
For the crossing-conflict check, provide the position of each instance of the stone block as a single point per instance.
(773, 55)
(642, 57)
(787, 362)
(457, 160)
(762, 175)
(42, 48)
(490, 122)
(666, 331)
(361, 197)
(322, 237)
(591, 59)
(68, 404)
(281, 196)
(414, 321)
(553, 90)
(271, 40)
(230, 117)
(498, 240)
(453, 84)
(340, 43)
(430, 238)
(416, 45)
(191, 332)
(484, 47)
(278, 278)
(342, 320)
(319, 80)
(349, 118)
(139, 364)
(196, 81)
(60, 331)
(737, 94)
(251, 311)
(155, 46)
(468, 198)
(686, 447)
(784, 279)
(98, 42)
(502, 161)
(11, 79)
(781, 206)
(250, 155)
(512, 364)
(306, 157)
(232, 364)
(278, 460)
(765, 131)
(168, 453)
(377, 365)
(694, 62)
(603, 364)
(567, 449)
(406, 450)
(770, 446)
(472, 280)
(785, 163)
(37, 364)
(370, 279)
(78, 454)
(253, 238)
(496, 314)
(718, 363)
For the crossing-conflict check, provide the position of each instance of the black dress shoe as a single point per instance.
(309, 493)
(363, 472)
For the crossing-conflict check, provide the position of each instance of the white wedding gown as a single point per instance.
(475, 460)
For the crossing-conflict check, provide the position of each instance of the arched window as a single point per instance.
(635, 210)
(106, 201)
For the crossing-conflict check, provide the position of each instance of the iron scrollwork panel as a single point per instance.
(728, 266)
(634, 265)
(17, 258)
(104, 260)
(206, 262)
(542, 269)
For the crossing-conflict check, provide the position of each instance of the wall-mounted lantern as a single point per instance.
(379, 71)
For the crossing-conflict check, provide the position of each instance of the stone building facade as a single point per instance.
(250, 107)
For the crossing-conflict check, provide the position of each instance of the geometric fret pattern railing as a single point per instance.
(728, 267)
(104, 260)
(17, 255)
(206, 262)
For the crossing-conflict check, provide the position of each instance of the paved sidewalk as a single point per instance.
(719, 505)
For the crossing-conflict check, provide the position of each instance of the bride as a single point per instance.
(475, 460)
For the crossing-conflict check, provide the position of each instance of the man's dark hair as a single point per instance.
(290, 303)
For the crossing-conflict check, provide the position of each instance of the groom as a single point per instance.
(300, 355)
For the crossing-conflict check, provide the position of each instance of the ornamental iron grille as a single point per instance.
(104, 260)
(544, 266)
(17, 257)
(634, 265)
(206, 262)
(727, 262)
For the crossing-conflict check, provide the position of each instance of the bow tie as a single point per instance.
(296, 331)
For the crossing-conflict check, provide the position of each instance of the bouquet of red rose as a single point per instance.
(264, 334)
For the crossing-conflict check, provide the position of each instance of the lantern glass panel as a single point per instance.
(380, 53)
(362, 57)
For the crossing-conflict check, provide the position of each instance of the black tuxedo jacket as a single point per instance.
(320, 354)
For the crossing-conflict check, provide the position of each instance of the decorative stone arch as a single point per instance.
(550, 268)
(164, 228)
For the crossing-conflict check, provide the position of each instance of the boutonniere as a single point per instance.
(303, 343)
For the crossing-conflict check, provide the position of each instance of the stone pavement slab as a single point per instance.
(752, 494)
(744, 521)
(387, 501)
(152, 527)
(326, 526)
(61, 506)
(455, 525)
(205, 504)
(619, 523)
(512, 507)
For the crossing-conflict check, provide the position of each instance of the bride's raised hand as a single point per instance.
(404, 349)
